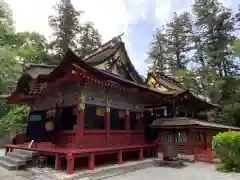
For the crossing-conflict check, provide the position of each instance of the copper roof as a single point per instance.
(184, 121)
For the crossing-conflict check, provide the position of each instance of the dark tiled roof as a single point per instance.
(184, 121)
(102, 55)
(35, 70)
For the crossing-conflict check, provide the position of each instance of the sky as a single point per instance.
(136, 18)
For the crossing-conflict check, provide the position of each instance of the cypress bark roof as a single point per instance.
(184, 122)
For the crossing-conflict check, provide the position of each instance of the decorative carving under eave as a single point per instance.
(81, 106)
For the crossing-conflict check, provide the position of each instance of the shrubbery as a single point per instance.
(227, 148)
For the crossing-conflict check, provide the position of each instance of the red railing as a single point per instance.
(204, 155)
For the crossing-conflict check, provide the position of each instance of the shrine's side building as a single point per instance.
(97, 104)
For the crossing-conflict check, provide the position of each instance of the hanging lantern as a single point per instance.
(100, 111)
(121, 113)
(49, 125)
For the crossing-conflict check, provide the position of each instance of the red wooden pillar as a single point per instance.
(107, 124)
(173, 137)
(119, 158)
(80, 124)
(189, 141)
(140, 155)
(91, 163)
(57, 162)
(127, 125)
(70, 163)
(6, 150)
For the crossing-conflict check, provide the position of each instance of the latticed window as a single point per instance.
(196, 136)
(166, 137)
(181, 137)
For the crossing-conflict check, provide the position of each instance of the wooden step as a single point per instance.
(20, 156)
(13, 160)
(8, 165)
(27, 152)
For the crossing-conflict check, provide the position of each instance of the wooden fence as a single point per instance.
(204, 155)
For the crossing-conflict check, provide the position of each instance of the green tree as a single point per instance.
(32, 48)
(216, 24)
(66, 27)
(29, 47)
(236, 47)
(158, 54)
(89, 38)
(179, 32)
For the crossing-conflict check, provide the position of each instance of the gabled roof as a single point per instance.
(71, 60)
(97, 56)
(184, 121)
(166, 81)
(175, 88)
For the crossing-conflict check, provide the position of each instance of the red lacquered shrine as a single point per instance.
(87, 107)
(97, 107)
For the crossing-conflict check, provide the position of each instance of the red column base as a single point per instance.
(119, 158)
(57, 162)
(6, 150)
(140, 155)
(91, 164)
(70, 163)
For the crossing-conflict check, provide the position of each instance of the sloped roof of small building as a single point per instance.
(184, 121)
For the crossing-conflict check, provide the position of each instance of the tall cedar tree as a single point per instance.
(216, 24)
(89, 38)
(179, 32)
(237, 18)
(158, 54)
(66, 26)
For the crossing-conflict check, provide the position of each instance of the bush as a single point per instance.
(227, 148)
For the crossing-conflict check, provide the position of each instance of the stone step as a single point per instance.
(27, 152)
(13, 160)
(8, 165)
(19, 156)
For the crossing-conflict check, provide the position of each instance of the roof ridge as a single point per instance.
(111, 43)
(29, 65)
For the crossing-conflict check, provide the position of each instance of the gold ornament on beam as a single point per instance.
(83, 95)
(81, 106)
(100, 111)
(121, 113)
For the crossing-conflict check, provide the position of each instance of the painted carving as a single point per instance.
(155, 85)
(108, 109)
(100, 111)
(81, 106)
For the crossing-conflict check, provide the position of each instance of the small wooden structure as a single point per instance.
(187, 134)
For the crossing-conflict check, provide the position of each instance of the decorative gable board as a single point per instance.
(70, 97)
(169, 84)
(116, 100)
(95, 94)
(155, 85)
(125, 61)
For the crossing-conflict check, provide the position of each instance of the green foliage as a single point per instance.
(69, 33)
(65, 25)
(15, 119)
(236, 47)
(89, 38)
(179, 32)
(26, 47)
(158, 53)
(203, 54)
(33, 48)
(227, 148)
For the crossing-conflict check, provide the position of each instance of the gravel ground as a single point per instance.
(198, 171)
